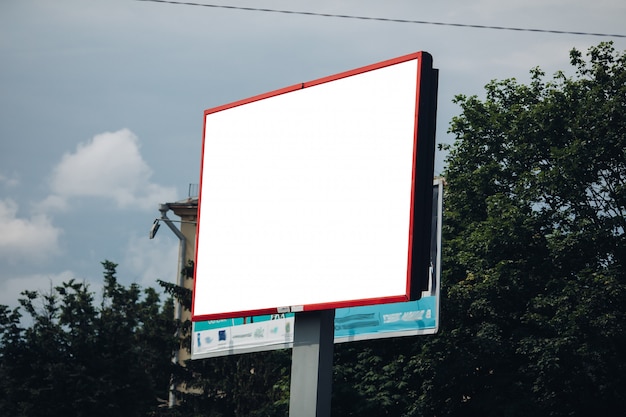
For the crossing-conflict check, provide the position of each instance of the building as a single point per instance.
(187, 211)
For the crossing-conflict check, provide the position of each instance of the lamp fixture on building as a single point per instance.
(157, 223)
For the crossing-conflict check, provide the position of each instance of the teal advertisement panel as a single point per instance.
(386, 320)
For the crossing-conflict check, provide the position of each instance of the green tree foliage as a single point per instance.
(247, 385)
(534, 301)
(81, 358)
(252, 384)
(371, 378)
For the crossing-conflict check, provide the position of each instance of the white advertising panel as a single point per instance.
(307, 195)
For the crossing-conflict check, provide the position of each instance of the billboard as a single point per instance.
(317, 196)
(269, 332)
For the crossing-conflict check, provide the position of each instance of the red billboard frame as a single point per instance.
(417, 235)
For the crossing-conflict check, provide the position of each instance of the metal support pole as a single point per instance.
(312, 364)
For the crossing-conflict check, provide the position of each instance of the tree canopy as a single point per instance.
(80, 357)
(534, 302)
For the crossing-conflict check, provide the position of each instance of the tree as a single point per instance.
(371, 377)
(79, 358)
(534, 300)
(246, 385)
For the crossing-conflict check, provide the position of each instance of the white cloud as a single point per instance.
(11, 181)
(109, 166)
(150, 259)
(10, 289)
(26, 238)
(145, 262)
(50, 204)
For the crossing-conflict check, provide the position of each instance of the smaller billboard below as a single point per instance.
(234, 336)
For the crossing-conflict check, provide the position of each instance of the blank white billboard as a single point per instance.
(307, 195)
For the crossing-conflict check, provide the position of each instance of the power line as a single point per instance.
(384, 19)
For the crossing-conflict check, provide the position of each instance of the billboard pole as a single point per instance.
(312, 364)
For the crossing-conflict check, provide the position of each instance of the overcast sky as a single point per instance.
(101, 103)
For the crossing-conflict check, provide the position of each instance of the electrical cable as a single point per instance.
(383, 19)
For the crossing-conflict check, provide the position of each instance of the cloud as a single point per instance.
(109, 166)
(11, 288)
(52, 203)
(9, 181)
(26, 238)
(148, 260)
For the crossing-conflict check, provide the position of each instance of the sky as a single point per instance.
(102, 101)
